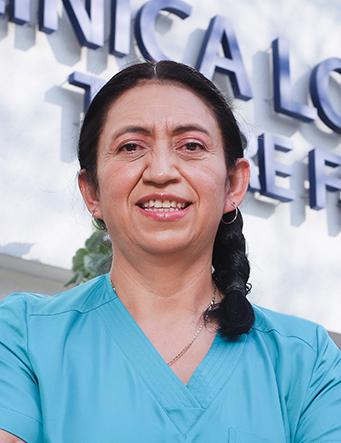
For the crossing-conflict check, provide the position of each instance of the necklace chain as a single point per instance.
(197, 332)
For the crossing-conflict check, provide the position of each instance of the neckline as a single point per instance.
(183, 403)
(153, 350)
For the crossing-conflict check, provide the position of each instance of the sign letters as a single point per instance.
(87, 19)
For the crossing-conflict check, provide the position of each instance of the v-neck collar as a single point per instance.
(184, 403)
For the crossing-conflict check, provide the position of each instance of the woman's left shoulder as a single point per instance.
(290, 328)
(307, 364)
(271, 322)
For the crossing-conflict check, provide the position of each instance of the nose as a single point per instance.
(161, 166)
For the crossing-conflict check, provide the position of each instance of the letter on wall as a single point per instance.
(319, 88)
(283, 96)
(19, 11)
(90, 83)
(87, 20)
(319, 180)
(119, 43)
(269, 168)
(221, 34)
(48, 16)
(145, 25)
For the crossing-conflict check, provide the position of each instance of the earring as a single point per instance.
(93, 219)
(233, 219)
(97, 223)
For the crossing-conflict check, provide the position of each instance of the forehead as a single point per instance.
(153, 103)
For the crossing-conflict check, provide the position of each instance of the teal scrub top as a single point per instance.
(77, 368)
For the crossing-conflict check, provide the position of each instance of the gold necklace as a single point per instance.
(197, 332)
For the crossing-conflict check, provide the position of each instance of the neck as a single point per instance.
(166, 290)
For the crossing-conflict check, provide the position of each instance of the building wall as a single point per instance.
(20, 275)
(294, 250)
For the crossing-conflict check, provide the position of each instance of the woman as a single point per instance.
(162, 349)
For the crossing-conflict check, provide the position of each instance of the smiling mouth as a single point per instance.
(163, 206)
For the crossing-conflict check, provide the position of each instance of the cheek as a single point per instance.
(119, 180)
(210, 180)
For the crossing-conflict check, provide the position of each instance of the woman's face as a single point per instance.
(161, 146)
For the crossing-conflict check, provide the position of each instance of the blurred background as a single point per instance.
(50, 66)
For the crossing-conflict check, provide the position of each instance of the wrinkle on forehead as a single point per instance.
(179, 109)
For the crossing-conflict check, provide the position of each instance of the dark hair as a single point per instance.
(234, 314)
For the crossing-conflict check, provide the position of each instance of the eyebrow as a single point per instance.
(176, 131)
(133, 129)
(191, 127)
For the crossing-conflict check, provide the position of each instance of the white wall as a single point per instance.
(17, 275)
(294, 251)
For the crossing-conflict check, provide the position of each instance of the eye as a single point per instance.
(191, 149)
(129, 147)
(131, 150)
(194, 146)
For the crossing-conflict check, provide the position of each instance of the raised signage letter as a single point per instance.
(319, 82)
(269, 168)
(119, 44)
(88, 21)
(145, 23)
(319, 180)
(283, 97)
(48, 17)
(2, 7)
(250, 145)
(19, 11)
(221, 33)
(89, 83)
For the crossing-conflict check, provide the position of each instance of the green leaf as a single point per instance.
(92, 260)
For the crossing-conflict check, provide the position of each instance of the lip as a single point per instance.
(165, 215)
(162, 196)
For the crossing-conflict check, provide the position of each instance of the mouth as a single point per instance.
(166, 206)
(165, 203)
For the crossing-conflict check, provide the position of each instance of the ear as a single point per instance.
(237, 184)
(89, 193)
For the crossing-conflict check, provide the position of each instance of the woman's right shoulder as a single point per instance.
(17, 299)
(79, 298)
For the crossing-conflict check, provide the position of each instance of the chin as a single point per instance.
(166, 246)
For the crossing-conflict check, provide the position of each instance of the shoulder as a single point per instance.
(290, 333)
(306, 365)
(294, 346)
(270, 323)
(82, 298)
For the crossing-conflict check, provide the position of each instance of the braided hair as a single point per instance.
(234, 313)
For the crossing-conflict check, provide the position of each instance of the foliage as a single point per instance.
(93, 259)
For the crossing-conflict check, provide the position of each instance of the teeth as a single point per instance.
(162, 209)
(165, 204)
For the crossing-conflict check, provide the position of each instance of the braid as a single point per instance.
(234, 313)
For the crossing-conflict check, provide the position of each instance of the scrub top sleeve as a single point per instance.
(19, 397)
(320, 420)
